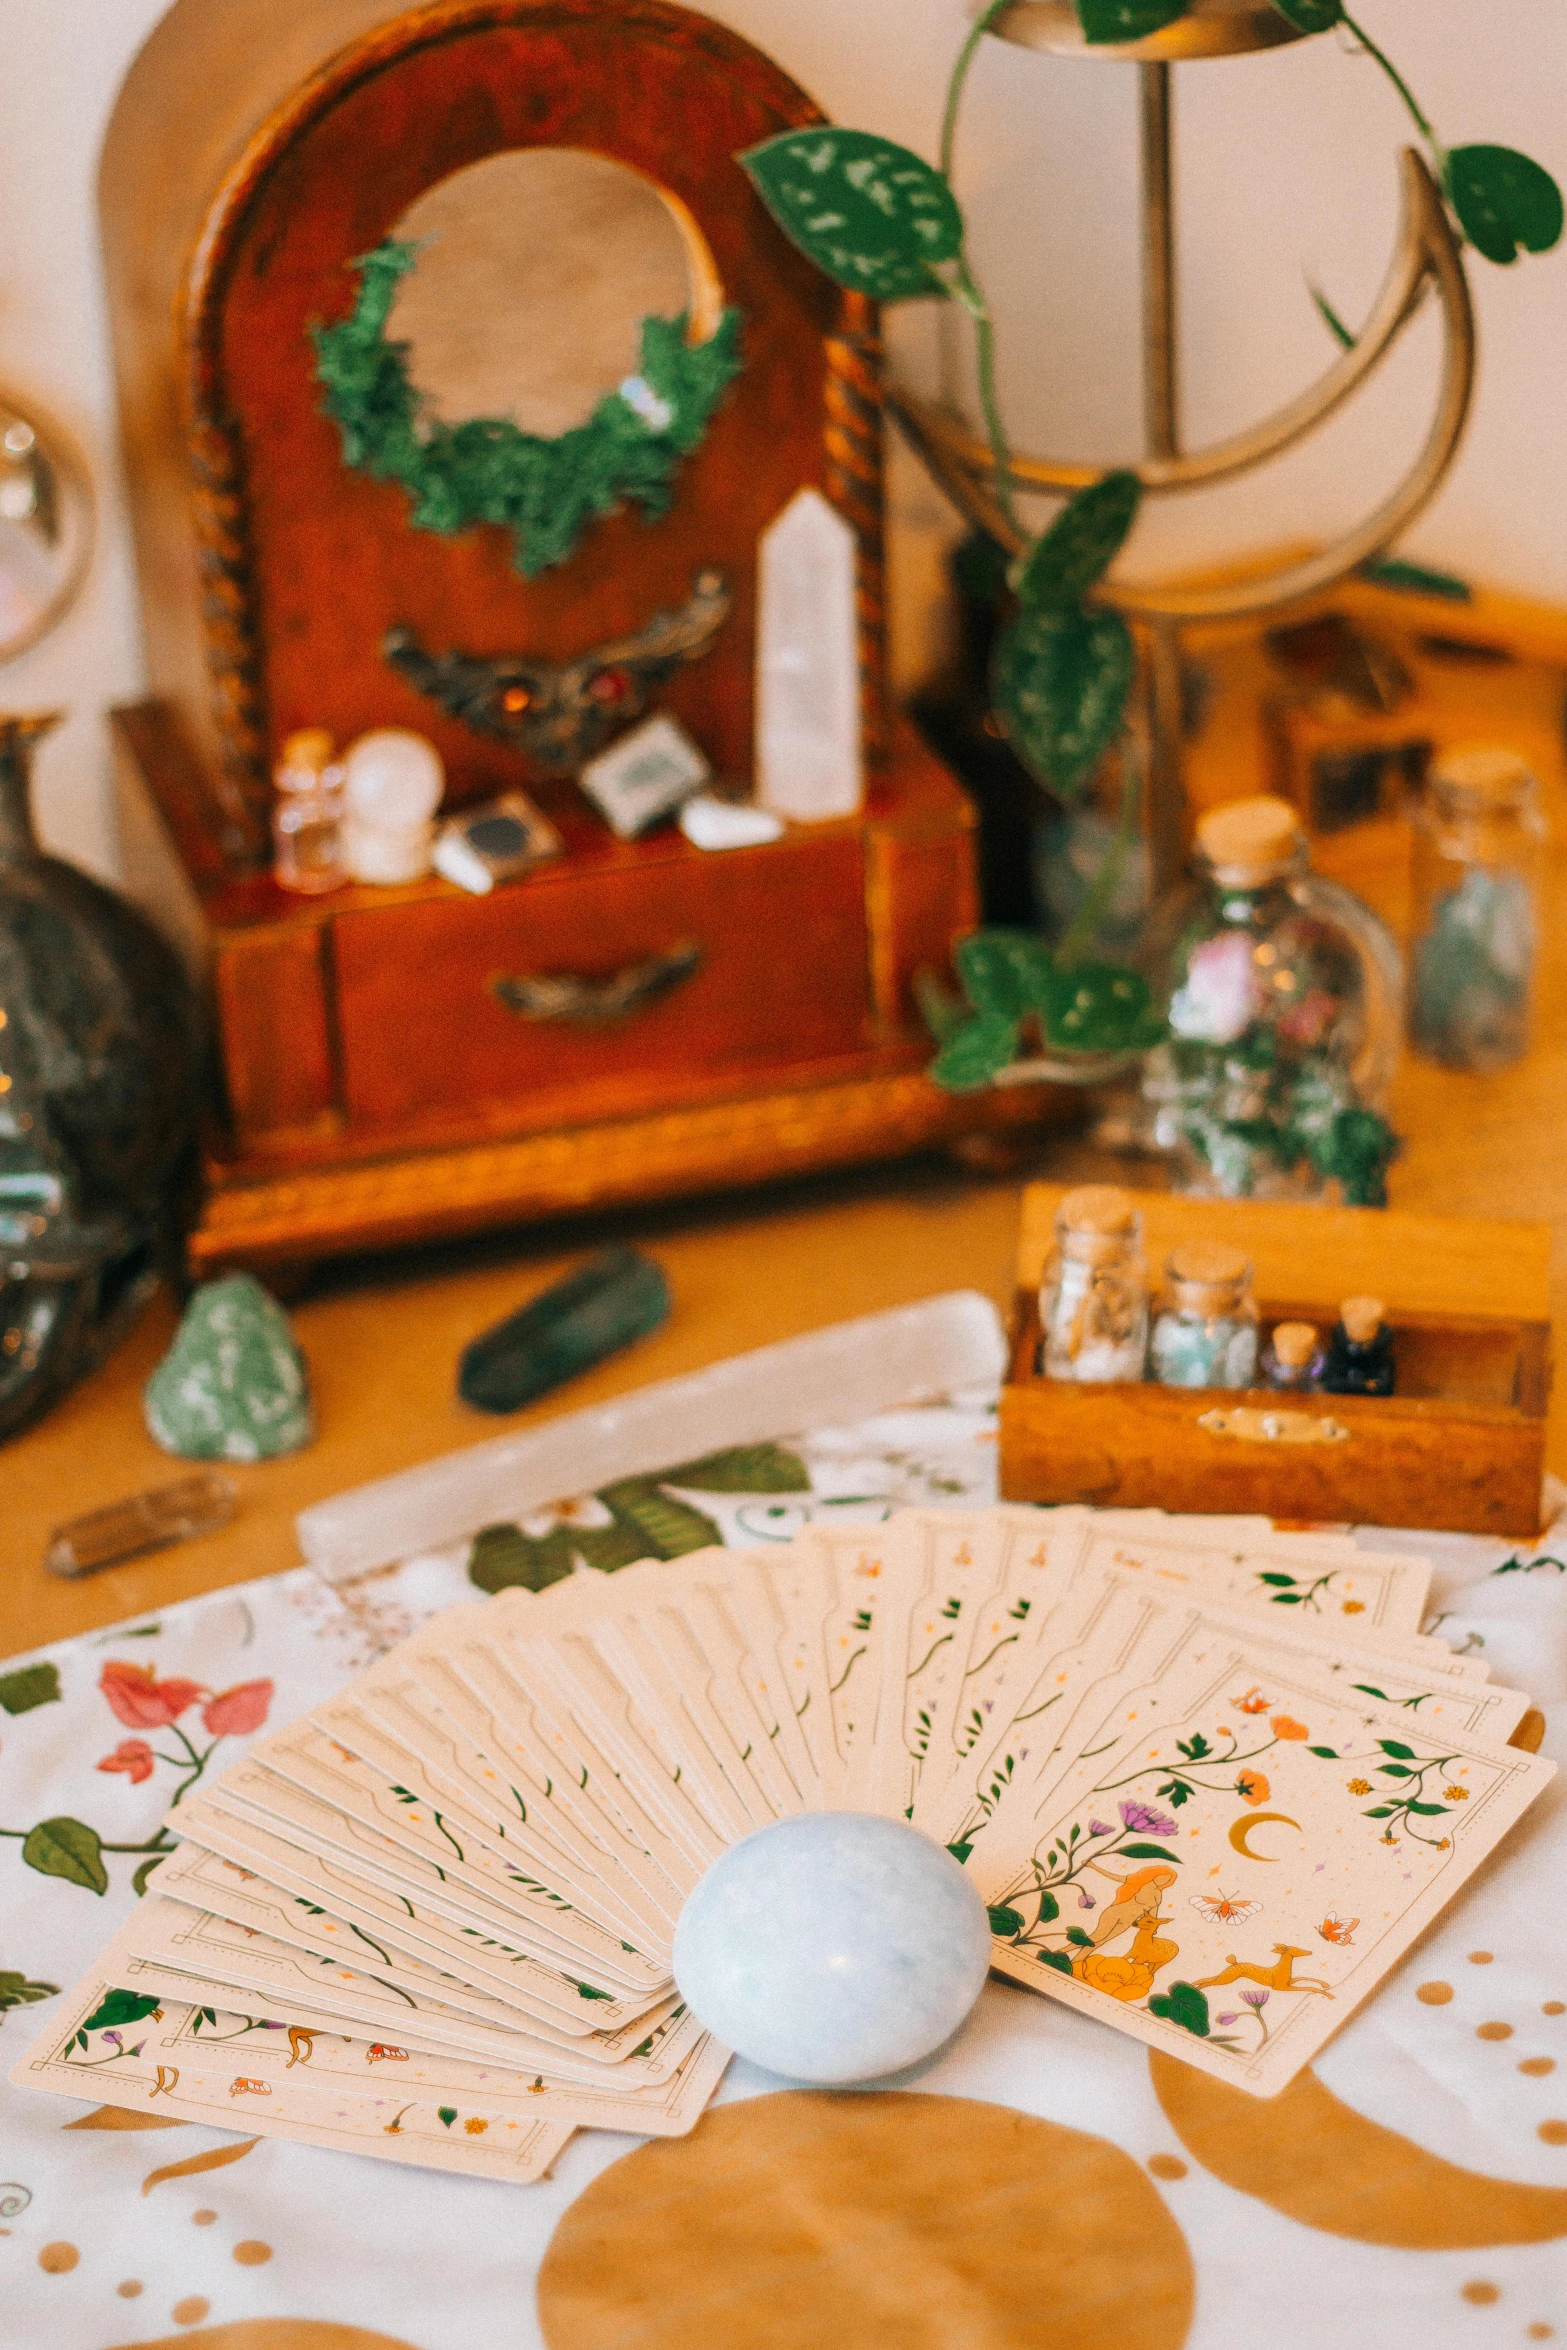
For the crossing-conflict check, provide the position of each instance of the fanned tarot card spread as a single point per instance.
(1210, 1779)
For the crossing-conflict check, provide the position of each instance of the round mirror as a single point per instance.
(536, 270)
(45, 527)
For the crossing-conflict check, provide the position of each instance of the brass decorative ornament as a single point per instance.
(560, 712)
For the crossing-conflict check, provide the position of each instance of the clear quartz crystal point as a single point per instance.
(143, 1521)
(808, 763)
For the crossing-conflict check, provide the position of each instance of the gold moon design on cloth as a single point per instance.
(1254, 1819)
(805, 2219)
(1312, 2158)
(274, 2333)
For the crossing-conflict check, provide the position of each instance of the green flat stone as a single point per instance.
(233, 1386)
(617, 1296)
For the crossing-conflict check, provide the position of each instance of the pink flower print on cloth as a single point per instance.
(141, 1701)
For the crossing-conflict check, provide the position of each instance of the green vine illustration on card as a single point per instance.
(879, 220)
(545, 491)
(1406, 1801)
(71, 1849)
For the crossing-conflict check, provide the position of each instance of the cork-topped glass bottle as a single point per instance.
(1206, 1331)
(307, 815)
(1285, 1006)
(1093, 1302)
(1292, 1359)
(1478, 833)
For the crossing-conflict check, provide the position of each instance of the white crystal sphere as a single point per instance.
(393, 778)
(833, 1946)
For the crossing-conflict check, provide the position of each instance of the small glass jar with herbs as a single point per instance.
(1478, 837)
(1093, 1301)
(1206, 1331)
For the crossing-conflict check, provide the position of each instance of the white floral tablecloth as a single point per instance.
(113, 2235)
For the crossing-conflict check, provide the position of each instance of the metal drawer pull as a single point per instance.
(594, 1003)
(1254, 1427)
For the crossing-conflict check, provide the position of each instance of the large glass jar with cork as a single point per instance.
(1093, 1301)
(1285, 997)
(1478, 834)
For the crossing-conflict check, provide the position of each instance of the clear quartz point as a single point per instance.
(143, 1521)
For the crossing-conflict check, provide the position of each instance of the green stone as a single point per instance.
(616, 1297)
(233, 1386)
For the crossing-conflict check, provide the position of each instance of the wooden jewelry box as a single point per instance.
(726, 1016)
(1460, 1445)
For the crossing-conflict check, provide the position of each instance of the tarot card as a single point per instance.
(1287, 1859)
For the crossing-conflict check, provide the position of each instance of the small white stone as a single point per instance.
(833, 1946)
(808, 748)
(719, 824)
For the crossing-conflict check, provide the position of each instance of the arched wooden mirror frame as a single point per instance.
(301, 566)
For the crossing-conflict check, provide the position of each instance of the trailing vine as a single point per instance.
(545, 491)
(880, 220)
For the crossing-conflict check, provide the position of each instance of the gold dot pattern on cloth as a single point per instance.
(1362, 2180)
(807, 2217)
(1539, 2331)
(190, 2311)
(129, 2290)
(202, 2219)
(1538, 2066)
(1554, 2133)
(1167, 2166)
(1481, 1957)
(1554, 2007)
(252, 2252)
(1493, 2031)
(57, 2259)
(1435, 1994)
(1481, 2293)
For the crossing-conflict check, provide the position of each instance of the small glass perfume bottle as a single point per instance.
(307, 815)
(1292, 1359)
(1206, 1333)
(1093, 1303)
(1360, 1351)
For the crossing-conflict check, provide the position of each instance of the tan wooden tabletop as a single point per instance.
(383, 1338)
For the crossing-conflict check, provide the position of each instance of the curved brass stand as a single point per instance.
(1426, 256)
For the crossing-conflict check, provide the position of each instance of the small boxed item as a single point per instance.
(1462, 1307)
(644, 777)
(495, 842)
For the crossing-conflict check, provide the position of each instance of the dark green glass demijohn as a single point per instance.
(100, 1072)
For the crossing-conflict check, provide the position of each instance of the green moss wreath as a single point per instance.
(486, 469)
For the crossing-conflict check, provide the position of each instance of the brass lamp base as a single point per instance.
(1214, 28)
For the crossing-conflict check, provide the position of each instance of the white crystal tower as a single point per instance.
(807, 665)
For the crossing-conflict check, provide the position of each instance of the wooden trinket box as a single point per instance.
(1461, 1445)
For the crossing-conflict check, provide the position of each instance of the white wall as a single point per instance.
(1286, 170)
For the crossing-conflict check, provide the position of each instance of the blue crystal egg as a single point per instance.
(833, 1946)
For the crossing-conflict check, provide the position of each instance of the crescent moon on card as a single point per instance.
(1244, 1826)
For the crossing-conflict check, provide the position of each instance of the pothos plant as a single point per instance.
(881, 221)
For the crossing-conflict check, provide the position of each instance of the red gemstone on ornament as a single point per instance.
(610, 685)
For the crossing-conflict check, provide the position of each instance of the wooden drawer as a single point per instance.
(782, 979)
